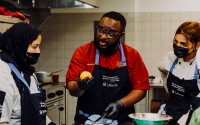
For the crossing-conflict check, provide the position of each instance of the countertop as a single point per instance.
(156, 82)
(51, 84)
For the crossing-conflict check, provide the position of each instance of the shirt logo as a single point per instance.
(91, 64)
(119, 64)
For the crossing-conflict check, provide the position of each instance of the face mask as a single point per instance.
(180, 52)
(32, 58)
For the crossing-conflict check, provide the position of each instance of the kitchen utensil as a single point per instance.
(55, 72)
(42, 76)
(150, 118)
(101, 117)
(55, 79)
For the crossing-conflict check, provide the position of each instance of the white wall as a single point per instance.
(166, 5)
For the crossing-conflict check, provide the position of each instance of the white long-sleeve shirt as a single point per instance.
(11, 108)
(182, 70)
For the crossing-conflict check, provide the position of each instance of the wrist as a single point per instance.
(120, 103)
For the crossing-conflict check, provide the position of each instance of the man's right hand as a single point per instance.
(86, 83)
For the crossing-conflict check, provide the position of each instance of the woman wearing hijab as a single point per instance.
(180, 73)
(22, 102)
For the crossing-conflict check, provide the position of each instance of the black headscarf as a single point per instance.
(14, 43)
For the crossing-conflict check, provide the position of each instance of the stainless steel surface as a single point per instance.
(55, 99)
(42, 76)
(150, 116)
(55, 72)
(39, 10)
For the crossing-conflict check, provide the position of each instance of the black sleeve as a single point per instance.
(51, 123)
(2, 97)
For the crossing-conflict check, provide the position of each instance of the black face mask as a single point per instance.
(32, 58)
(180, 52)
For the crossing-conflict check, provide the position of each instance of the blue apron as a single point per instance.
(110, 86)
(179, 100)
(36, 99)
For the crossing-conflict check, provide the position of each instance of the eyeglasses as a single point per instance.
(109, 33)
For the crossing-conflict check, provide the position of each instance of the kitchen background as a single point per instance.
(150, 29)
(151, 33)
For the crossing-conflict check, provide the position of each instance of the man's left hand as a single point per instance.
(113, 109)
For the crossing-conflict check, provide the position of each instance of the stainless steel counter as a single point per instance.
(56, 102)
(154, 84)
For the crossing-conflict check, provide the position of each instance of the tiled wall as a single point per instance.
(150, 33)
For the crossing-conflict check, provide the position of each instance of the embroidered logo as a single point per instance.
(119, 64)
(91, 64)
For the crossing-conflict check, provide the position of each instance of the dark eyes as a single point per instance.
(183, 44)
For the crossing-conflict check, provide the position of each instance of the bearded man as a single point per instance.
(120, 78)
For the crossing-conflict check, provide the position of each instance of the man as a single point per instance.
(120, 78)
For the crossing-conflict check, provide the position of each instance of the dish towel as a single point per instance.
(106, 121)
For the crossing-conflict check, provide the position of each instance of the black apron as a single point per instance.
(2, 98)
(110, 86)
(37, 100)
(179, 101)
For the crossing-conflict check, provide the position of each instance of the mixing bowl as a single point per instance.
(150, 118)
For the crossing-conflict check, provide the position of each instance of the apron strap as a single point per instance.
(173, 65)
(195, 72)
(17, 73)
(97, 57)
(121, 53)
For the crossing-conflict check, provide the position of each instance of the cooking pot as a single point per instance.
(150, 118)
(43, 76)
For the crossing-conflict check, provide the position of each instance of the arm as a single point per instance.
(164, 67)
(74, 90)
(133, 97)
(77, 88)
(139, 80)
(165, 64)
(77, 64)
(7, 86)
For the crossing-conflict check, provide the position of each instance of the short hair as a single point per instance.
(116, 16)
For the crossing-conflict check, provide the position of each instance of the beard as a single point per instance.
(110, 49)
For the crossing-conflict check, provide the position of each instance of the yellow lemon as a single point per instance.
(85, 74)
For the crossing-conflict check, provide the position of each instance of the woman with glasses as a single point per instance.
(179, 71)
(120, 78)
